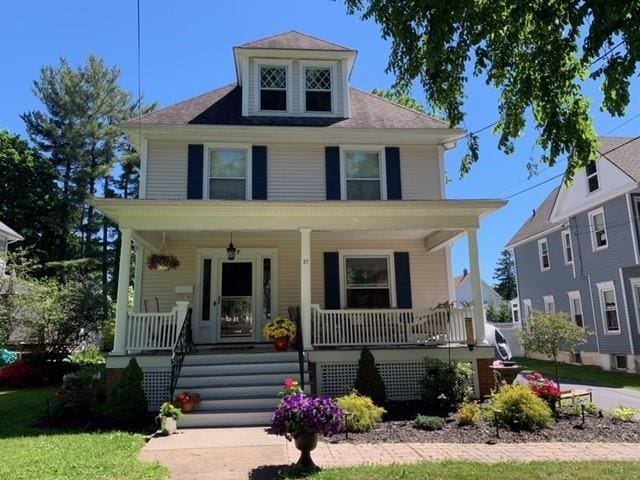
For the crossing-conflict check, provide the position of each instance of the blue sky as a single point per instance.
(186, 50)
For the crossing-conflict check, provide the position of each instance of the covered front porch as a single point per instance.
(285, 258)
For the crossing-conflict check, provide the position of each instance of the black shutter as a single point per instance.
(403, 279)
(195, 166)
(331, 281)
(259, 172)
(332, 172)
(394, 182)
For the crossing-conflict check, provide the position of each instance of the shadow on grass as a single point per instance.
(276, 472)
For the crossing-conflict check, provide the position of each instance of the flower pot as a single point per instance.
(168, 425)
(186, 407)
(306, 443)
(281, 344)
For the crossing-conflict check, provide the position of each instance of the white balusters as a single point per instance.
(155, 331)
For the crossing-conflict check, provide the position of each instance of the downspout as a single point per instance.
(593, 312)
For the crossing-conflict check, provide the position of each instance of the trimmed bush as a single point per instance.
(425, 422)
(362, 413)
(624, 414)
(519, 408)
(445, 384)
(127, 404)
(468, 414)
(368, 379)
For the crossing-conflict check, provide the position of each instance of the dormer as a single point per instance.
(294, 75)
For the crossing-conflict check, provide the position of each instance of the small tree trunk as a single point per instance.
(555, 362)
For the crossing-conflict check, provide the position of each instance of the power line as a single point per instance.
(534, 186)
(622, 124)
(611, 50)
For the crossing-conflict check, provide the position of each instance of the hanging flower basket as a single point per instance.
(163, 262)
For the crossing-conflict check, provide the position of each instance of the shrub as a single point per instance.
(80, 397)
(362, 414)
(519, 408)
(368, 379)
(624, 414)
(127, 404)
(426, 422)
(468, 414)
(91, 355)
(21, 374)
(445, 384)
(573, 408)
(545, 388)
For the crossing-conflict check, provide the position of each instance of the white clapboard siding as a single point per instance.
(167, 169)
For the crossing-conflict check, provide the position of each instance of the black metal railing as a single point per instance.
(294, 314)
(184, 344)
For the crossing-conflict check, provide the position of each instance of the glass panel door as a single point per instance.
(236, 301)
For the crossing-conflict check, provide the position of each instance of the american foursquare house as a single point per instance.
(291, 188)
(578, 253)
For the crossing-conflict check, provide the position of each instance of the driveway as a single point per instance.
(606, 397)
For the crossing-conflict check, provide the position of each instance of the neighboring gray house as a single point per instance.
(464, 294)
(7, 236)
(578, 253)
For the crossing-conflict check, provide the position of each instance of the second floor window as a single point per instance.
(609, 306)
(273, 88)
(317, 89)
(591, 171)
(228, 174)
(566, 244)
(363, 175)
(543, 250)
(598, 227)
(367, 282)
(575, 304)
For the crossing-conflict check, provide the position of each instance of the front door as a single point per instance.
(236, 302)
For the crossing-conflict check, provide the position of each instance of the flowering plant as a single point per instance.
(298, 414)
(188, 397)
(160, 261)
(290, 387)
(169, 410)
(280, 327)
(545, 388)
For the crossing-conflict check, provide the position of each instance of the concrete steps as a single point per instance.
(237, 389)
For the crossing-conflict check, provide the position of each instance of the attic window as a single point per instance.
(592, 176)
(317, 89)
(273, 88)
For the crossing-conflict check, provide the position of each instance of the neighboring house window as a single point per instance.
(549, 304)
(228, 174)
(528, 309)
(363, 175)
(598, 227)
(515, 312)
(543, 250)
(273, 88)
(591, 170)
(620, 362)
(367, 281)
(575, 304)
(566, 244)
(317, 91)
(609, 307)
(635, 287)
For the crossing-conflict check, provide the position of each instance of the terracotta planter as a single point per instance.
(281, 344)
(186, 407)
(306, 443)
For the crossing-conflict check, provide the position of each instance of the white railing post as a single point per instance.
(305, 287)
(122, 302)
(182, 307)
(476, 285)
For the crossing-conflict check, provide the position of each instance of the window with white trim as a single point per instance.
(609, 307)
(575, 305)
(635, 289)
(543, 251)
(228, 170)
(367, 281)
(317, 89)
(591, 171)
(273, 88)
(598, 227)
(363, 174)
(515, 312)
(566, 247)
(549, 304)
(527, 309)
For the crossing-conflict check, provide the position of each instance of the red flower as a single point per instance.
(288, 383)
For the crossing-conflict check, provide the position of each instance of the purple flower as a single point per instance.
(297, 414)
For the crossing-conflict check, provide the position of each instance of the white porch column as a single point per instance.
(476, 285)
(305, 286)
(122, 305)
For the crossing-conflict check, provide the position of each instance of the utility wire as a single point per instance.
(139, 80)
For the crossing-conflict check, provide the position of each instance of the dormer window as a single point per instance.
(273, 88)
(317, 91)
(592, 176)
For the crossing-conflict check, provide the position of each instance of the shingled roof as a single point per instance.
(223, 106)
(294, 40)
(539, 221)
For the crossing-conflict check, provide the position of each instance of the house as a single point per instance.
(578, 253)
(464, 291)
(292, 188)
(7, 236)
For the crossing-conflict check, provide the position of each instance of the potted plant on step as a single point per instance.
(281, 331)
(169, 415)
(302, 418)
(187, 401)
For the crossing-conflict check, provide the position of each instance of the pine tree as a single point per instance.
(505, 276)
(368, 379)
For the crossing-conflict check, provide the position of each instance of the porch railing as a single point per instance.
(154, 331)
(355, 327)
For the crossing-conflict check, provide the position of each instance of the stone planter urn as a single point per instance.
(306, 443)
(507, 371)
(168, 425)
(281, 344)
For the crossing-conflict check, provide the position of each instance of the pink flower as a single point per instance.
(288, 383)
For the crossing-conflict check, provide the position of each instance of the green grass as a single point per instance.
(477, 471)
(30, 453)
(583, 374)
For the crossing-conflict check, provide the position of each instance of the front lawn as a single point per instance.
(583, 374)
(30, 453)
(477, 471)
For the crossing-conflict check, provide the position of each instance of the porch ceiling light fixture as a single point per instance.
(232, 251)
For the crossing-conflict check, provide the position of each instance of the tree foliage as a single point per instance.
(401, 98)
(368, 379)
(499, 313)
(538, 54)
(505, 276)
